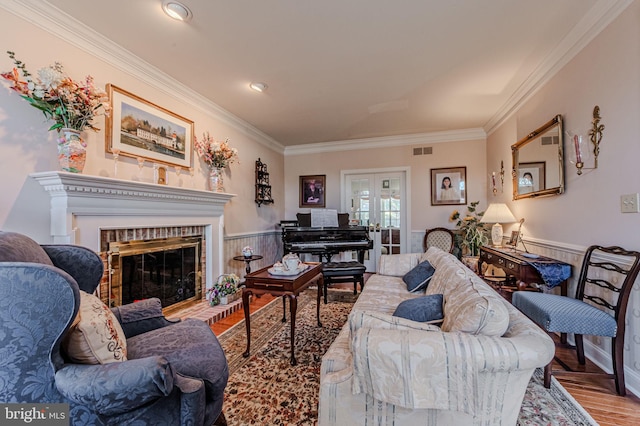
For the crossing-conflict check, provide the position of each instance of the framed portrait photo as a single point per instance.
(449, 186)
(513, 241)
(139, 128)
(531, 177)
(312, 191)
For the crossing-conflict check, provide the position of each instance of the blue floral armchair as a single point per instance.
(175, 374)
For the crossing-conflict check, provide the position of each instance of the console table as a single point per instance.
(518, 265)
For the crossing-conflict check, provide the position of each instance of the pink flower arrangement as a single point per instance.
(215, 154)
(68, 103)
(226, 285)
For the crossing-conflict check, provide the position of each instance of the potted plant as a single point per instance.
(247, 251)
(225, 287)
(472, 232)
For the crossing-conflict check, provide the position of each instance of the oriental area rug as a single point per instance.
(264, 389)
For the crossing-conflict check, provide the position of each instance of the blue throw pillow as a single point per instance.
(422, 309)
(418, 278)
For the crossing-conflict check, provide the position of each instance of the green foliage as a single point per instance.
(474, 234)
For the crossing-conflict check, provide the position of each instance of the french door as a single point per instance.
(377, 200)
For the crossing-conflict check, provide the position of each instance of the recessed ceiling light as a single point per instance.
(176, 10)
(258, 87)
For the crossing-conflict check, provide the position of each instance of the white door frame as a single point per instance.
(405, 245)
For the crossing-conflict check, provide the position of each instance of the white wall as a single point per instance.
(26, 146)
(605, 73)
(468, 153)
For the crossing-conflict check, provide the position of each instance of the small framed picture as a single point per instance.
(312, 191)
(513, 241)
(139, 128)
(449, 186)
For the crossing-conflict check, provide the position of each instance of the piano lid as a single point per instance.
(291, 234)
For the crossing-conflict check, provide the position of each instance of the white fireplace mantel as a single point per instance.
(83, 205)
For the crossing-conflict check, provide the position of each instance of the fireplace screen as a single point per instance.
(168, 269)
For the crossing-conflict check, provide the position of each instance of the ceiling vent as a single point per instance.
(423, 150)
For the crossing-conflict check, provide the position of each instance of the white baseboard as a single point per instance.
(602, 359)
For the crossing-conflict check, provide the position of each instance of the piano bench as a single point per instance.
(343, 272)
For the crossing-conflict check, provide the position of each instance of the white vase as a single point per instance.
(224, 300)
(215, 179)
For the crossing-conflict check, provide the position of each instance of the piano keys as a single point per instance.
(326, 241)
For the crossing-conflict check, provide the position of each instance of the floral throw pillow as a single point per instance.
(95, 337)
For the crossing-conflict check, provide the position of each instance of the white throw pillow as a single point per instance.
(95, 337)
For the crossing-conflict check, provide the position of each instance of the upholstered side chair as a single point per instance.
(169, 373)
(599, 308)
(442, 238)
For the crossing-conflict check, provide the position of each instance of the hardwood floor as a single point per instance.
(597, 396)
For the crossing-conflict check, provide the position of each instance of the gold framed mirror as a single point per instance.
(538, 162)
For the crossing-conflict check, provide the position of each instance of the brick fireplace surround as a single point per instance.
(86, 208)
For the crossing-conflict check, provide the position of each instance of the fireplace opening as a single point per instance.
(166, 268)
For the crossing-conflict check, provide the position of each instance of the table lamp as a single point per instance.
(497, 213)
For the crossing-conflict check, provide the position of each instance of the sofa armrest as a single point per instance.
(192, 400)
(140, 317)
(396, 265)
(418, 369)
(116, 388)
(380, 320)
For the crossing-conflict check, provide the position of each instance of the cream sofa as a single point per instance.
(472, 370)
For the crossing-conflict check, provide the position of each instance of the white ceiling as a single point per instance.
(349, 69)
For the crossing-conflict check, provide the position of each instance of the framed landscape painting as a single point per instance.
(139, 128)
(449, 186)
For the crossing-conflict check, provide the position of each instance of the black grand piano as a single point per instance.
(324, 242)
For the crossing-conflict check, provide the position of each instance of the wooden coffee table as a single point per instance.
(287, 286)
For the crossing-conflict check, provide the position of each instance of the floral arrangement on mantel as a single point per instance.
(226, 285)
(216, 154)
(473, 233)
(68, 103)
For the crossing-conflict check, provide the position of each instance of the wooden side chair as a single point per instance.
(442, 238)
(599, 308)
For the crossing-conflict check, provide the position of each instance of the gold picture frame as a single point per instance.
(139, 128)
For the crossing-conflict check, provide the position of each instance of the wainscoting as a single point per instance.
(266, 244)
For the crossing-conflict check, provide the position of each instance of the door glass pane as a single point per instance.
(389, 190)
(360, 201)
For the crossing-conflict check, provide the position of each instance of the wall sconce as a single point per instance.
(581, 152)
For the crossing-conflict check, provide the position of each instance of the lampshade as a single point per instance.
(497, 213)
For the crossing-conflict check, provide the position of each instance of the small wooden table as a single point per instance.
(247, 260)
(287, 286)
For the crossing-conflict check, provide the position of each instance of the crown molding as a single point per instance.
(597, 19)
(388, 141)
(56, 22)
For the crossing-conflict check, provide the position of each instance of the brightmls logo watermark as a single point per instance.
(34, 414)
